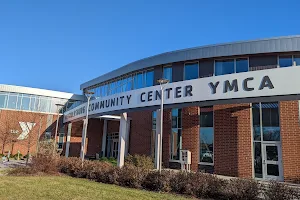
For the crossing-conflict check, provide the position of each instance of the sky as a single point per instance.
(60, 44)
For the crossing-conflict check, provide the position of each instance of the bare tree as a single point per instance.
(8, 129)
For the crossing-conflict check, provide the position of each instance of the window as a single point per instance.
(241, 65)
(149, 78)
(297, 60)
(176, 139)
(265, 128)
(288, 61)
(191, 71)
(138, 81)
(167, 74)
(12, 101)
(153, 133)
(285, 61)
(45, 104)
(206, 136)
(224, 67)
(3, 100)
(25, 102)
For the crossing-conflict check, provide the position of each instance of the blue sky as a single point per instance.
(59, 44)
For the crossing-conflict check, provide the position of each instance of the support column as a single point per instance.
(104, 138)
(68, 140)
(122, 139)
(83, 140)
(157, 141)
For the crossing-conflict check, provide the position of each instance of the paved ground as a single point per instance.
(12, 164)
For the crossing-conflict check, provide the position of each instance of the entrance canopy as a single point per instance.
(254, 85)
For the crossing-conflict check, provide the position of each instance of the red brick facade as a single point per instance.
(232, 140)
(232, 137)
(190, 133)
(140, 132)
(10, 130)
(290, 137)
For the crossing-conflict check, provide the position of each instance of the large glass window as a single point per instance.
(149, 78)
(167, 74)
(176, 139)
(45, 105)
(191, 71)
(224, 67)
(265, 128)
(12, 101)
(3, 100)
(285, 61)
(206, 135)
(241, 65)
(25, 102)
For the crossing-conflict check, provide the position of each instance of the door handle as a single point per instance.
(264, 161)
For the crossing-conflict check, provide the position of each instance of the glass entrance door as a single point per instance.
(112, 145)
(115, 147)
(272, 161)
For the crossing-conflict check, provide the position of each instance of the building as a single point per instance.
(28, 115)
(235, 106)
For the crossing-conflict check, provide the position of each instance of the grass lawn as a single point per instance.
(52, 187)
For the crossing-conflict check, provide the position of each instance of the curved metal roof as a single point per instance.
(40, 92)
(271, 45)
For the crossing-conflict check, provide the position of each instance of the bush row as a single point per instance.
(137, 173)
(199, 185)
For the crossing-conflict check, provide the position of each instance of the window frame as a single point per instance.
(187, 63)
(213, 127)
(163, 74)
(293, 59)
(234, 64)
(171, 137)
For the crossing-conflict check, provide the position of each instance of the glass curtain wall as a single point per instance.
(126, 83)
(27, 102)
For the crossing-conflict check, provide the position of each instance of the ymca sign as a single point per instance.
(272, 82)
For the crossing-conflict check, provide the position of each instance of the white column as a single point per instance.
(82, 140)
(122, 139)
(157, 141)
(68, 140)
(127, 137)
(104, 138)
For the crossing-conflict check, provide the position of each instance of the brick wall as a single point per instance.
(232, 140)
(9, 121)
(290, 137)
(113, 126)
(94, 137)
(190, 133)
(75, 140)
(140, 132)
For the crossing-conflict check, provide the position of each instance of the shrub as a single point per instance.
(21, 171)
(131, 176)
(140, 161)
(280, 191)
(181, 183)
(156, 181)
(45, 163)
(242, 189)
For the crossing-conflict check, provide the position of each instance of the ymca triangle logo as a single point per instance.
(26, 128)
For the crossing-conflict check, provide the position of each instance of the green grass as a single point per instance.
(60, 188)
